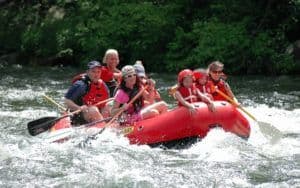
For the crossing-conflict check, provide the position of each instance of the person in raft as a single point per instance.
(128, 89)
(85, 93)
(216, 81)
(187, 93)
(201, 80)
(110, 74)
(151, 95)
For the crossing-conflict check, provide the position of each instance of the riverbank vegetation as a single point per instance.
(250, 37)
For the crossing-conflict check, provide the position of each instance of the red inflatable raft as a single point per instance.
(178, 124)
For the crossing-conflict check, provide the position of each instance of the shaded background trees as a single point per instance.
(258, 36)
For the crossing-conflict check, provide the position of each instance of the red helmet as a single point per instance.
(198, 74)
(184, 73)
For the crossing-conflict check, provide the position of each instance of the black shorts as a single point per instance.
(78, 119)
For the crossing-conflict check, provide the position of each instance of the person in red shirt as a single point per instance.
(111, 75)
(187, 93)
(216, 81)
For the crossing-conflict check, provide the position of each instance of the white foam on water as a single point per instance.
(285, 121)
(34, 114)
(4, 152)
(218, 145)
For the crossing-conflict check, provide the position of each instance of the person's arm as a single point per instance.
(149, 93)
(120, 99)
(117, 74)
(117, 107)
(186, 104)
(207, 100)
(71, 105)
(230, 93)
(76, 91)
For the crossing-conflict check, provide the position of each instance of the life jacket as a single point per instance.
(95, 92)
(202, 88)
(155, 95)
(221, 85)
(106, 74)
(188, 94)
(108, 77)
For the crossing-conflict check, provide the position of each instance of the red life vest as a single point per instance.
(106, 74)
(203, 88)
(188, 94)
(221, 85)
(97, 92)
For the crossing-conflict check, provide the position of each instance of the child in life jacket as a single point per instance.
(152, 93)
(216, 82)
(187, 93)
(201, 79)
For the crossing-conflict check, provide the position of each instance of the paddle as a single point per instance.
(120, 112)
(43, 124)
(172, 90)
(61, 134)
(266, 128)
(51, 100)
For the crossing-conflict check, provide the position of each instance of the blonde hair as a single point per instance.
(109, 52)
(215, 65)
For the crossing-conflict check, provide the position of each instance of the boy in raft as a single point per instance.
(201, 80)
(111, 75)
(85, 93)
(216, 82)
(127, 90)
(187, 93)
(151, 95)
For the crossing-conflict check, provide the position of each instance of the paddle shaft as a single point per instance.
(235, 103)
(54, 102)
(79, 110)
(121, 110)
(129, 103)
(64, 109)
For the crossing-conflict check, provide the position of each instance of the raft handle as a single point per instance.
(214, 125)
(140, 128)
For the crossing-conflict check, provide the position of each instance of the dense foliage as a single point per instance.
(248, 36)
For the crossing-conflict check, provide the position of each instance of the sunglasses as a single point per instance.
(131, 75)
(217, 72)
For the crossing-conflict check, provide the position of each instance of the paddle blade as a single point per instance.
(270, 131)
(40, 125)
